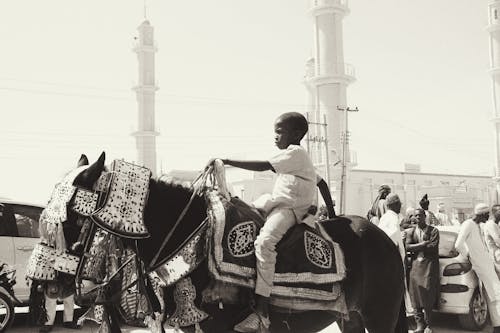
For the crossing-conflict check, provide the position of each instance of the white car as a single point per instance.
(460, 292)
(18, 235)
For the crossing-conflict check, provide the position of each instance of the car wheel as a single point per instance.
(6, 312)
(478, 313)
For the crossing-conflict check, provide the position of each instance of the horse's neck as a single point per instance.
(167, 227)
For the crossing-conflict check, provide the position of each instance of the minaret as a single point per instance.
(146, 88)
(327, 77)
(494, 30)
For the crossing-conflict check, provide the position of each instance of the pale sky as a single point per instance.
(226, 69)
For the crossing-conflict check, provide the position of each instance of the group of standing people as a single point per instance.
(417, 236)
(479, 241)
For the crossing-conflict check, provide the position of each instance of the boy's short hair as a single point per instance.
(297, 122)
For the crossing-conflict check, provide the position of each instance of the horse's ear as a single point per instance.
(82, 161)
(101, 159)
(90, 175)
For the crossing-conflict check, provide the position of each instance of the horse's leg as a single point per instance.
(353, 325)
(383, 283)
(109, 320)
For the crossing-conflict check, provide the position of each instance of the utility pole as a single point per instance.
(322, 138)
(345, 146)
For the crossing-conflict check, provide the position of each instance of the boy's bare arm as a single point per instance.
(327, 197)
(250, 165)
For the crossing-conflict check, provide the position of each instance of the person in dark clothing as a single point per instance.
(422, 241)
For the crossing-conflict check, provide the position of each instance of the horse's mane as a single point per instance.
(167, 199)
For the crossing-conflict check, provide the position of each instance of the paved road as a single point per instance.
(444, 324)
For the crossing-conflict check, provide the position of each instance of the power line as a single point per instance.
(61, 84)
(58, 93)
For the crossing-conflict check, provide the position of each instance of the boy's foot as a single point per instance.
(70, 324)
(46, 328)
(253, 323)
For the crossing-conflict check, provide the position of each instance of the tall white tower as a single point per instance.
(327, 77)
(494, 30)
(146, 133)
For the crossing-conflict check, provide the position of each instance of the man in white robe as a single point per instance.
(390, 224)
(492, 236)
(470, 243)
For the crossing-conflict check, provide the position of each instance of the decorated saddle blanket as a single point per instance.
(309, 266)
(126, 196)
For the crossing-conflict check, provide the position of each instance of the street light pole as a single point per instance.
(322, 138)
(345, 145)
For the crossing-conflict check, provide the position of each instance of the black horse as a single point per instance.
(374, 286)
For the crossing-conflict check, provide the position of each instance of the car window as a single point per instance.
(8, 225)
(447, 243)
(2, 221)
(27, 220)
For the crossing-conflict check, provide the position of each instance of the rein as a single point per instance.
(202, 178)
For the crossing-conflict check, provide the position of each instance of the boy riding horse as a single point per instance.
(293, 194)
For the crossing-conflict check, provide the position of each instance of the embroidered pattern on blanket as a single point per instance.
(94, 261)
(317, 250)
(186, 313)
(56, 210)
(66, 263)
(309, 268)
(85, 202)
(123, 212)
(240, 239)
(133, 303)
(41, 263)
(185, 260)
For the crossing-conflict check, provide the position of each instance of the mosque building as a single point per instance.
(327, 77)
(326, 80)
(145, 134)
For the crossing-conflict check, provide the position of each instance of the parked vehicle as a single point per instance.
(18, 235)
(460, 287)
(7, 298)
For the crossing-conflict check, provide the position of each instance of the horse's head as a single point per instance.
(165, 200)
(85, 179)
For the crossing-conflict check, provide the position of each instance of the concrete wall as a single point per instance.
(459, 193)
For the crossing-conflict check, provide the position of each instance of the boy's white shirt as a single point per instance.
(295, 185)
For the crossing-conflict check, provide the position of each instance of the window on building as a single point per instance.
(410, 182)
(428, 183)
(495, 14)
